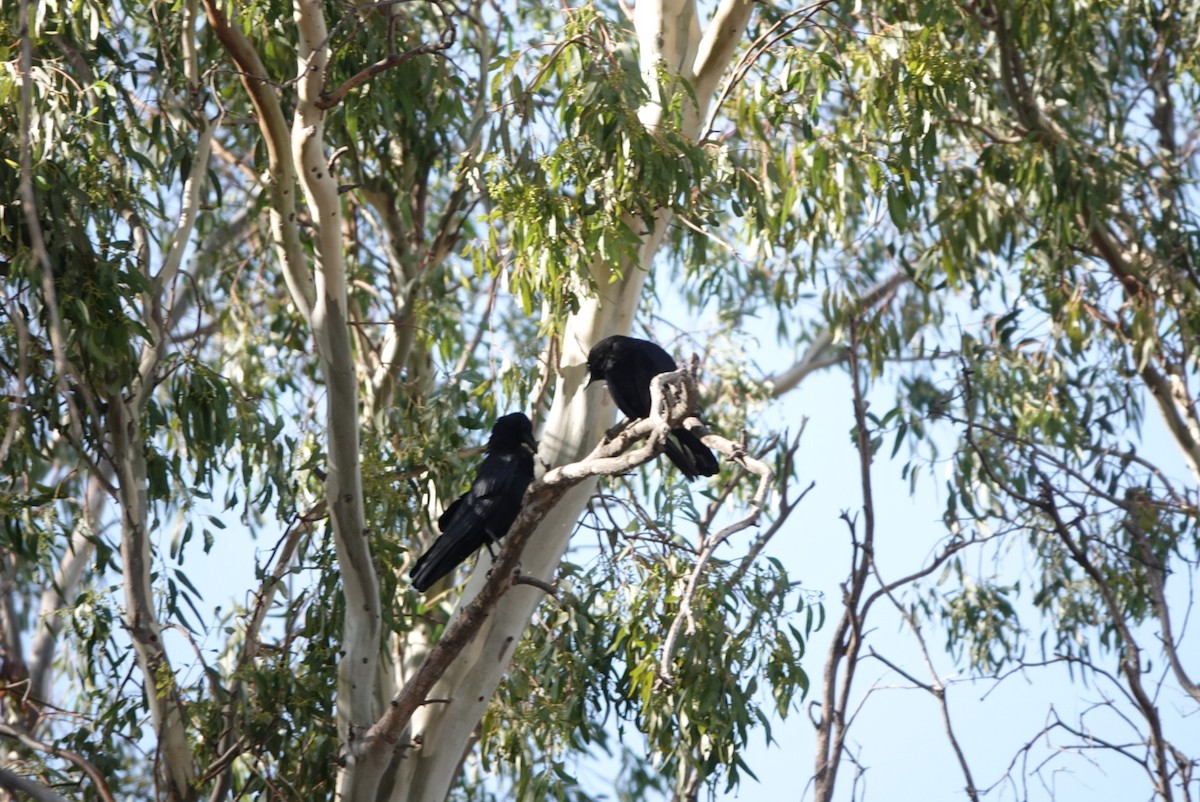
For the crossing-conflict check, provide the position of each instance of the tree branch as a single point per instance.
(145, 631)
(786, 506)
(1172, 397)
(194, 183)
(60, 592)
(86, 766)
(1171, 394)
(361, 680)
(29, 212)
(721, 38)
(760, 46)
(765, 478)
(575, 419)
(1156, 575)
(847, 639)
(1131, 666)
(445, 41)
(282, 181)
(230, 744)
(607, 459)
(817, 356)
(29, 788)
(935, 688)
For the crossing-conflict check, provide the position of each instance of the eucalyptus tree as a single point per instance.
(237, 270)
(1037, 162)
(272, 269)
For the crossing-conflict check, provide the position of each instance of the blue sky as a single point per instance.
(898, 736)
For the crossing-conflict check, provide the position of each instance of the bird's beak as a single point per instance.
(593, 378)
(531, 442)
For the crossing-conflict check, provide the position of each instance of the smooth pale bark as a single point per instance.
(362, 682)
(281, 176)
(297, 159)
(128, 448)
(1175, 403)
(670, 38)
(672, 46)
(141, 622)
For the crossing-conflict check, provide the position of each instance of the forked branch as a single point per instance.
(607, 459)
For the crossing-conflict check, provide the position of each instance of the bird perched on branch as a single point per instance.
(626, 365)
(484, 513)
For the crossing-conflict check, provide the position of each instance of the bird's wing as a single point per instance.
(448, 515)
(629, 385)
(631, 372)
(447, 553)
(482, 514)
(498, 490)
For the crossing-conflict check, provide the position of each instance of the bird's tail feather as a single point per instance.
(691, 456)
(446, 553)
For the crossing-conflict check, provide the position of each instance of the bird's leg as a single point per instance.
(620, 427)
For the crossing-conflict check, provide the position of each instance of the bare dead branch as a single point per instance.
(786, 507)
(847, 639)
(937, 689)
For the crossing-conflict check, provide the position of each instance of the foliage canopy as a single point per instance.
(270, 272)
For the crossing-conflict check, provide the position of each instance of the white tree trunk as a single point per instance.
(363, 671)
(670, 39)
(141, 620)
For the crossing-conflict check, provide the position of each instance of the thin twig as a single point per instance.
(445, 41)
(765, 478)
(608, 458)
(86, 766)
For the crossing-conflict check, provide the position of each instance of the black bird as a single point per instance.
(485, 512)
(627, 365)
